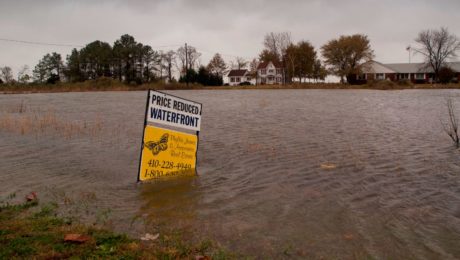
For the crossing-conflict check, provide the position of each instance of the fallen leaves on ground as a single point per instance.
(76, 238)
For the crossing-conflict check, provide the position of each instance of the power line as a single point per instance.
(40, 43)
(80, 46)
(72, 45)
(224, 54)
(165, 46)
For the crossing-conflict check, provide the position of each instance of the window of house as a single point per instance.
(238, 79)
(278, 71)
(278, 79)
(419, 76)
(232, 79)
(248, 78)
(263, 71)
(271, 71)
(380, 76)
(404, 76)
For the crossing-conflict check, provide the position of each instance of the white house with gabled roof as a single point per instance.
(270, 73)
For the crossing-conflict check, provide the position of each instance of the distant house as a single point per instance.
(236, 77)
(414, 72)
(270, 73)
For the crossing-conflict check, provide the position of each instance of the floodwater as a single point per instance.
(315, 174)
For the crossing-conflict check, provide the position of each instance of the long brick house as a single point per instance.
(415, 72)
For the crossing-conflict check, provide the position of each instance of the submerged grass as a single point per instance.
(43, 122)
(24, 119)
(28, 233)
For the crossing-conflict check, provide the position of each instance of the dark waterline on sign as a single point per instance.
(282, 173)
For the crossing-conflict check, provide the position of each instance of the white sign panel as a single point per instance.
(173, 111)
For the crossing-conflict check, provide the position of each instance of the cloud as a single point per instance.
(234, 28)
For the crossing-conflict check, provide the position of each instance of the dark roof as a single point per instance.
(264, 64)
(237, 73)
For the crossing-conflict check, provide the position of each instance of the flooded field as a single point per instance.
(320, 174)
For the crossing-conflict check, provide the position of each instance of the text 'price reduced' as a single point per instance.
(173, 111)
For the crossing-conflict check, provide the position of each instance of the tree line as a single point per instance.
(133, 62)
(350, 55)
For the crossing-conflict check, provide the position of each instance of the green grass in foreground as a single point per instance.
(26, 233)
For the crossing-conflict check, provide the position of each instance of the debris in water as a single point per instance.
(32, 196)
(76, 238)
(201, 257)
(150, 237)
(348, 236)
(328, 166)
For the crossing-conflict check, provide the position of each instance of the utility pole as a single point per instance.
(186, 64)
(409, 49)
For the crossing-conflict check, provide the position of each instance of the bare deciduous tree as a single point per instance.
(240, 63)
(192, 58)
(6, 73)
(277, 43)
(451, 126)
(168, 60)
(23, 74)
(437, 46)
(253, 65)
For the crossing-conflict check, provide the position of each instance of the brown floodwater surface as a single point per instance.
(332, 174)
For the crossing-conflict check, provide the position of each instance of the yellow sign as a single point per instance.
(167, 153)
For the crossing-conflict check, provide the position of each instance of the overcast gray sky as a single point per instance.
(229, 27)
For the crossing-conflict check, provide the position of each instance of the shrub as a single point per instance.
(53, 79)
(245, 83)
(381, 84)
(446, 75)
(103, 82)
(405, 82)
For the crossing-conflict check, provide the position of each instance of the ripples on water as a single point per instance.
(394, 192)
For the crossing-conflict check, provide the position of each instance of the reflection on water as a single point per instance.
(171, 199)
(334, 174)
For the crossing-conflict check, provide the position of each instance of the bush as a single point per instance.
(53, 79)
(103, 82)
(405, 82)
(381, 84)
(446, 75)
(202, 77)
(245, 83)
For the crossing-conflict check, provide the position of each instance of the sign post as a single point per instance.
(170, 137)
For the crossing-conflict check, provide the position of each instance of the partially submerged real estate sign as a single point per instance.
(170, 139)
